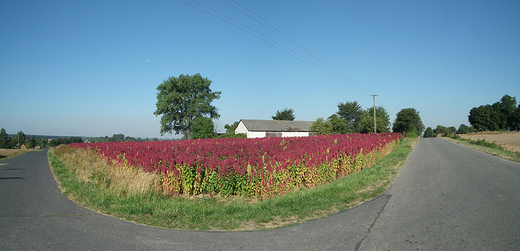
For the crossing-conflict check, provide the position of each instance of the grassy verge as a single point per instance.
(235, 214)
(485, 146)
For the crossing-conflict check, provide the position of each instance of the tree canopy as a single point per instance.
(285, 114)
(366, 123)
(203, 128)
(351, 113)
(182, 100)
(500, 116)
(332, 125)
(408, 120)
(428, 133)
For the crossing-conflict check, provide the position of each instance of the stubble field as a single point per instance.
(509, 140)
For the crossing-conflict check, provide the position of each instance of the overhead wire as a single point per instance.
(293, 42)
(333, 72)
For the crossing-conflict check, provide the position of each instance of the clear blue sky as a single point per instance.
(91, 68)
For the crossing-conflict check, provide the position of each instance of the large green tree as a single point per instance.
(351, 113)
(4, 139)
(321, 127)
(428, 133)
(515, 119)
(500, 116)
(408, 120)
(463, 129)
(366, 123)
(20, 139)
(487, 118)
(203, 128)
(332, 125)
(285, 114)
(182, 100)
(508, 106)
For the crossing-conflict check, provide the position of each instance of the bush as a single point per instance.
(412, 134)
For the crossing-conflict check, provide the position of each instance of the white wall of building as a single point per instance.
(255, 134)
(241, 128)
(295, 134)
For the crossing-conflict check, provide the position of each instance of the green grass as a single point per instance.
(485, 146)
(235, 214)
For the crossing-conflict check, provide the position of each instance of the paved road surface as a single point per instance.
(447, 197)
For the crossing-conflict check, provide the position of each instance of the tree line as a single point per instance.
(184, 104)
(19, 140)
(352, 118)
(503, 115)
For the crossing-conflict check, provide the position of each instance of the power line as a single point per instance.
(293, 42)
(349, 81)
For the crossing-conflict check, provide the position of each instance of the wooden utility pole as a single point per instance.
(375, 125)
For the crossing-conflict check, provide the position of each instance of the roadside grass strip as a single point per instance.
(489, 147)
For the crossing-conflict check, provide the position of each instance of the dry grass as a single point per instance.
(89, 167)
(509, 140)
(10, 153)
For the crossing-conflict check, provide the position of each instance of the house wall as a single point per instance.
(241, 128)
(295, 134)
(255, 134)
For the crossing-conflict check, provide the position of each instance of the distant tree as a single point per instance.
(128, 138)
(440, 130)
(230, 129)
(366, 123)
(463, 129)
(118, 137)
(508, 107)
(334, 124)
(408, 120)
(43, 143)
(322, 127)
(428, 133)
(351, 113)
(515, 119)
(452, 130)
(339, 125)
(20, 139)
(500, 116)
(203, 128)
(285, 114)
(182, 100)
(4, 139)
(31, 143)
(487, 118)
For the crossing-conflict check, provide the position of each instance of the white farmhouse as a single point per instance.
(274, 128)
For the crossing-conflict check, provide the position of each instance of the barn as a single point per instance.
(274, 128)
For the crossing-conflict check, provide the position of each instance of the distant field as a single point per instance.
(9, 152)
(509, 140)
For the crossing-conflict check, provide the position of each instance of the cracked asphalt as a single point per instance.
(447, 197)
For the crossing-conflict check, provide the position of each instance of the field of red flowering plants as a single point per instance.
(260, 167)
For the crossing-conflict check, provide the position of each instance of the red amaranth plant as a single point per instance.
(259, 167)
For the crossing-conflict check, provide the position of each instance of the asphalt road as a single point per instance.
(447, 197)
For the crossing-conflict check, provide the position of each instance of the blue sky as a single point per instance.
(91, 68)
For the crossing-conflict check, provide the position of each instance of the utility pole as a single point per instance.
(375, 125)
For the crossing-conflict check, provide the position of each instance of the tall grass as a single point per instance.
(88, 167)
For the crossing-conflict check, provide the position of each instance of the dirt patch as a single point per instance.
(509, 140)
